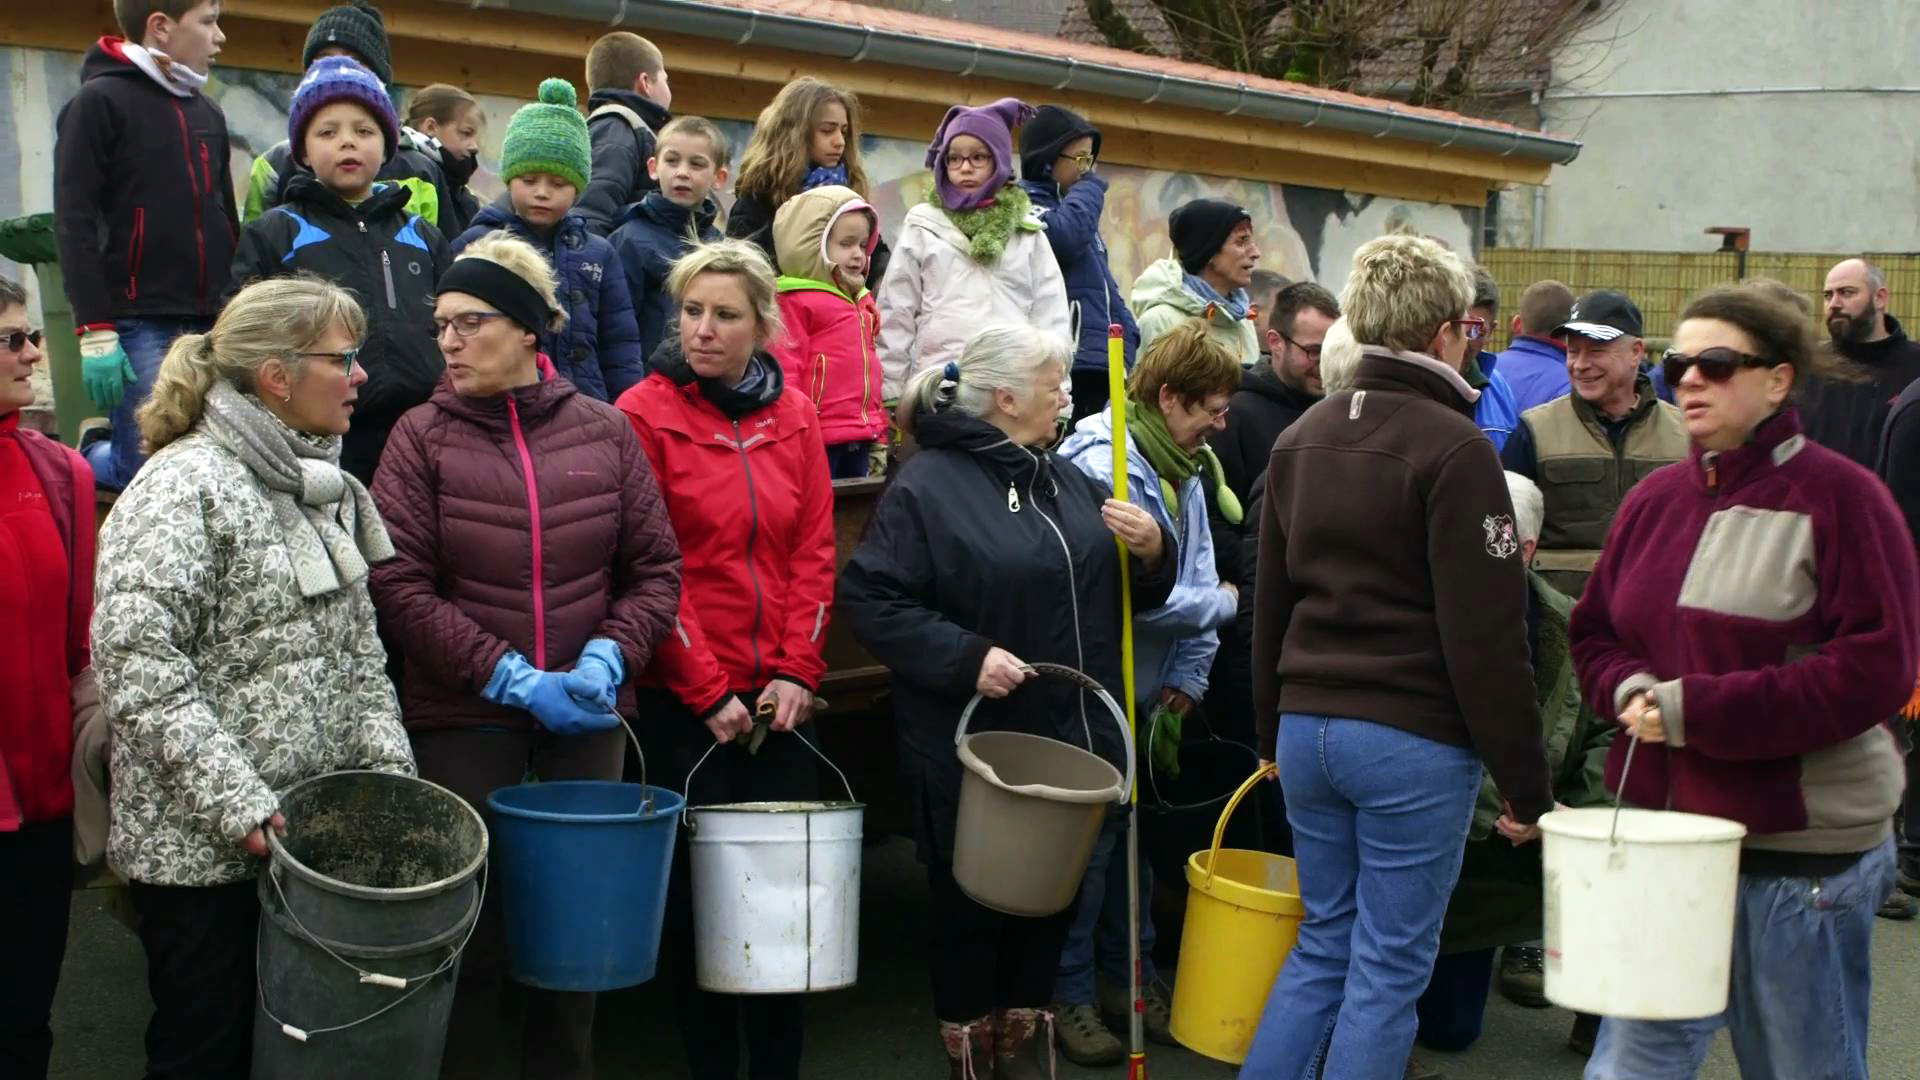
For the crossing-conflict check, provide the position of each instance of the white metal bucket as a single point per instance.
(776, 894)
(1639, 911)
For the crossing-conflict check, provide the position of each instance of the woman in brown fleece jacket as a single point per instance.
(1389, 646)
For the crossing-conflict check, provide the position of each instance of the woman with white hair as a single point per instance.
(985, 556)
(1389, 662)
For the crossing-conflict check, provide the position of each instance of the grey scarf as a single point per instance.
(330, 525)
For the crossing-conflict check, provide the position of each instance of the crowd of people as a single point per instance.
(411, 483)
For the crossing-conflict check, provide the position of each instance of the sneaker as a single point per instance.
(1084, 1038)
(1898, 905)
(1586, 1031)
(1420, 1070)
(1158, 1021)
(1523, 975)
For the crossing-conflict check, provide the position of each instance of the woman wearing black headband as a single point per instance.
(535, 571)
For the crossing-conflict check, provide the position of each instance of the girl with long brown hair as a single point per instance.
(808, 136)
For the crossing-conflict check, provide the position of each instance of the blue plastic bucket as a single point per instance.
(582, 871)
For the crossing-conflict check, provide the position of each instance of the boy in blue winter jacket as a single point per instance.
(689, 164)
(546, 159)
(1058, 150)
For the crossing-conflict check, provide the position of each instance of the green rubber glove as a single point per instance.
(104, 367)
(1164, 741)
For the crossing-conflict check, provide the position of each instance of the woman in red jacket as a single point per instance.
(743, 469)
(46, 602)
(535, 570)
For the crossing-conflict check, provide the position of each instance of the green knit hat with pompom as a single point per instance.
(549, 136)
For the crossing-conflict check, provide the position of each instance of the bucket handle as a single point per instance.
(1087, 683)
(686, 802)
(1264, 772)
(412, 985)
(1613, 838)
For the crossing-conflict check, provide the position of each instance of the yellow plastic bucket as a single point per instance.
(1243, 914)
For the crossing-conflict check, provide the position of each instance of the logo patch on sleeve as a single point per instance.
(1502, 541)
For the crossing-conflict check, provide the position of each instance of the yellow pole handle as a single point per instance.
(1117, 401)
(1220, 830)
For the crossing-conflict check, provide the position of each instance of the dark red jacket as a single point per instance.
(46, 604)
(476, 493)
(752, 503)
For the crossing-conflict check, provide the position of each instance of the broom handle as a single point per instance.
(1117, 399)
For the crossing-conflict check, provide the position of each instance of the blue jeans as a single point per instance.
(1379, 822)
(1098, 936)
(116, 460)
(1802, 984)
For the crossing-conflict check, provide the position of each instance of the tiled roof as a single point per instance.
(1039, 17)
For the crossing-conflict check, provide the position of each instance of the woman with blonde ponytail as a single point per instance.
(234, 641)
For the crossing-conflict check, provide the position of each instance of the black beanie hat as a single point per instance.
(1200, 229)
(1043, 137)
(357, 27)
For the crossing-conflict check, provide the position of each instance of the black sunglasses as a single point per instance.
(20, 339)
(1716, 365)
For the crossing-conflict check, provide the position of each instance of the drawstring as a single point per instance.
(967, 1071)
(1053, 1058)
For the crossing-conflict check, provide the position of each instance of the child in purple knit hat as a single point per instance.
(973, 253)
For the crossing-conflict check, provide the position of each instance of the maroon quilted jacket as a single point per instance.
(475, 492)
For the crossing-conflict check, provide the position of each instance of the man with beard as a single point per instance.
(1847, 409)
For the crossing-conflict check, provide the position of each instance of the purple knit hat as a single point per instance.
(991, 124)
(339, 78)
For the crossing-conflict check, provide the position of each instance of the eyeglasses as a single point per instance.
(1312, 352)
(1716, 365)
(1215, 415)
(1471, 327)
(1084, 161)
(346, 358)
(20, 339)
(978, 161)
(466, 324)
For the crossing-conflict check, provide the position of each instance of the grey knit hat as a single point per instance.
(357, 27)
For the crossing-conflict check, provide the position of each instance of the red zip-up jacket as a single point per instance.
(752, 505)
(829, 352)
(46, 603)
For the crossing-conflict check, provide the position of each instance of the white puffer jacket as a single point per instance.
(936, 295)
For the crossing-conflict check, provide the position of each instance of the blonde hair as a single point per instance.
(441, 103)
(1339, 357)
(617, 60)
(780, 153)
(999, 356)
(275, 319)
(742, 259)
(1187, 360)
(1401, 289)
(699, 127)
(509, 252)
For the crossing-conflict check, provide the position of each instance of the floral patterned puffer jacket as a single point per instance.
(224, 686)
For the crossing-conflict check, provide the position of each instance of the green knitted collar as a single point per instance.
(989, 227)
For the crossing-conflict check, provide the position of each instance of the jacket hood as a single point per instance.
(1165, 283)
(670, 360)
(104, 58)
(534, 402)
(801, 225)
(387, 197)
(1043, 137)
(1261, 379)
(655, 116)
(658, 210)
(950, 429)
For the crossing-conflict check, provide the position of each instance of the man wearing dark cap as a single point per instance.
(1058, 153)
(1215, 256)
(358, 31)
(1586, 449)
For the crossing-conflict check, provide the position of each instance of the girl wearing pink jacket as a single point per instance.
(825, 238)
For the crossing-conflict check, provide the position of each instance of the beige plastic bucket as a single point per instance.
(1639, 910)
(1030, 810)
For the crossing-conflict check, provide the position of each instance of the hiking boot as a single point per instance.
(1022, 1044)
(1420, 1070)
(1115, 1007)
(1907, 879)
(1084, 1038)
(969, 1049)
(1898, 905)
(1523, 975)
(1586, 1029)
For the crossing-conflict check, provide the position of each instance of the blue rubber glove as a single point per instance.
(520, 685)
(104, 367)
(596, 677)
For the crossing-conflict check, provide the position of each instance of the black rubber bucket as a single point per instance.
(1177, 816)
(364, 910)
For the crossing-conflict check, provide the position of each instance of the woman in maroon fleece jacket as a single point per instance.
(46, 602)
(1755, 616)
(535, 571)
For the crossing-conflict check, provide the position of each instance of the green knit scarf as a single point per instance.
(988, 227)
(1148, 428)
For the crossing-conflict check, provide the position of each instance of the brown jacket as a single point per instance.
(1400, 598)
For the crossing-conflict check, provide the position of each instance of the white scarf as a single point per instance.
(331, 527)
(176, 79)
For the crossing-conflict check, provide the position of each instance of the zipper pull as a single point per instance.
(363, 226)
(1713, 472)
(1013, 500)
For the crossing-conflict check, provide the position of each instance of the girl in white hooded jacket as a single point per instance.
(973, 253)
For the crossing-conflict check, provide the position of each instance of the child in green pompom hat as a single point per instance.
(546, 160)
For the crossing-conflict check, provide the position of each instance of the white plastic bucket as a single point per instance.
(776, 894)
(1639, 911)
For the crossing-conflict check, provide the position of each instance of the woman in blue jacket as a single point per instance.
(1058, 149)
